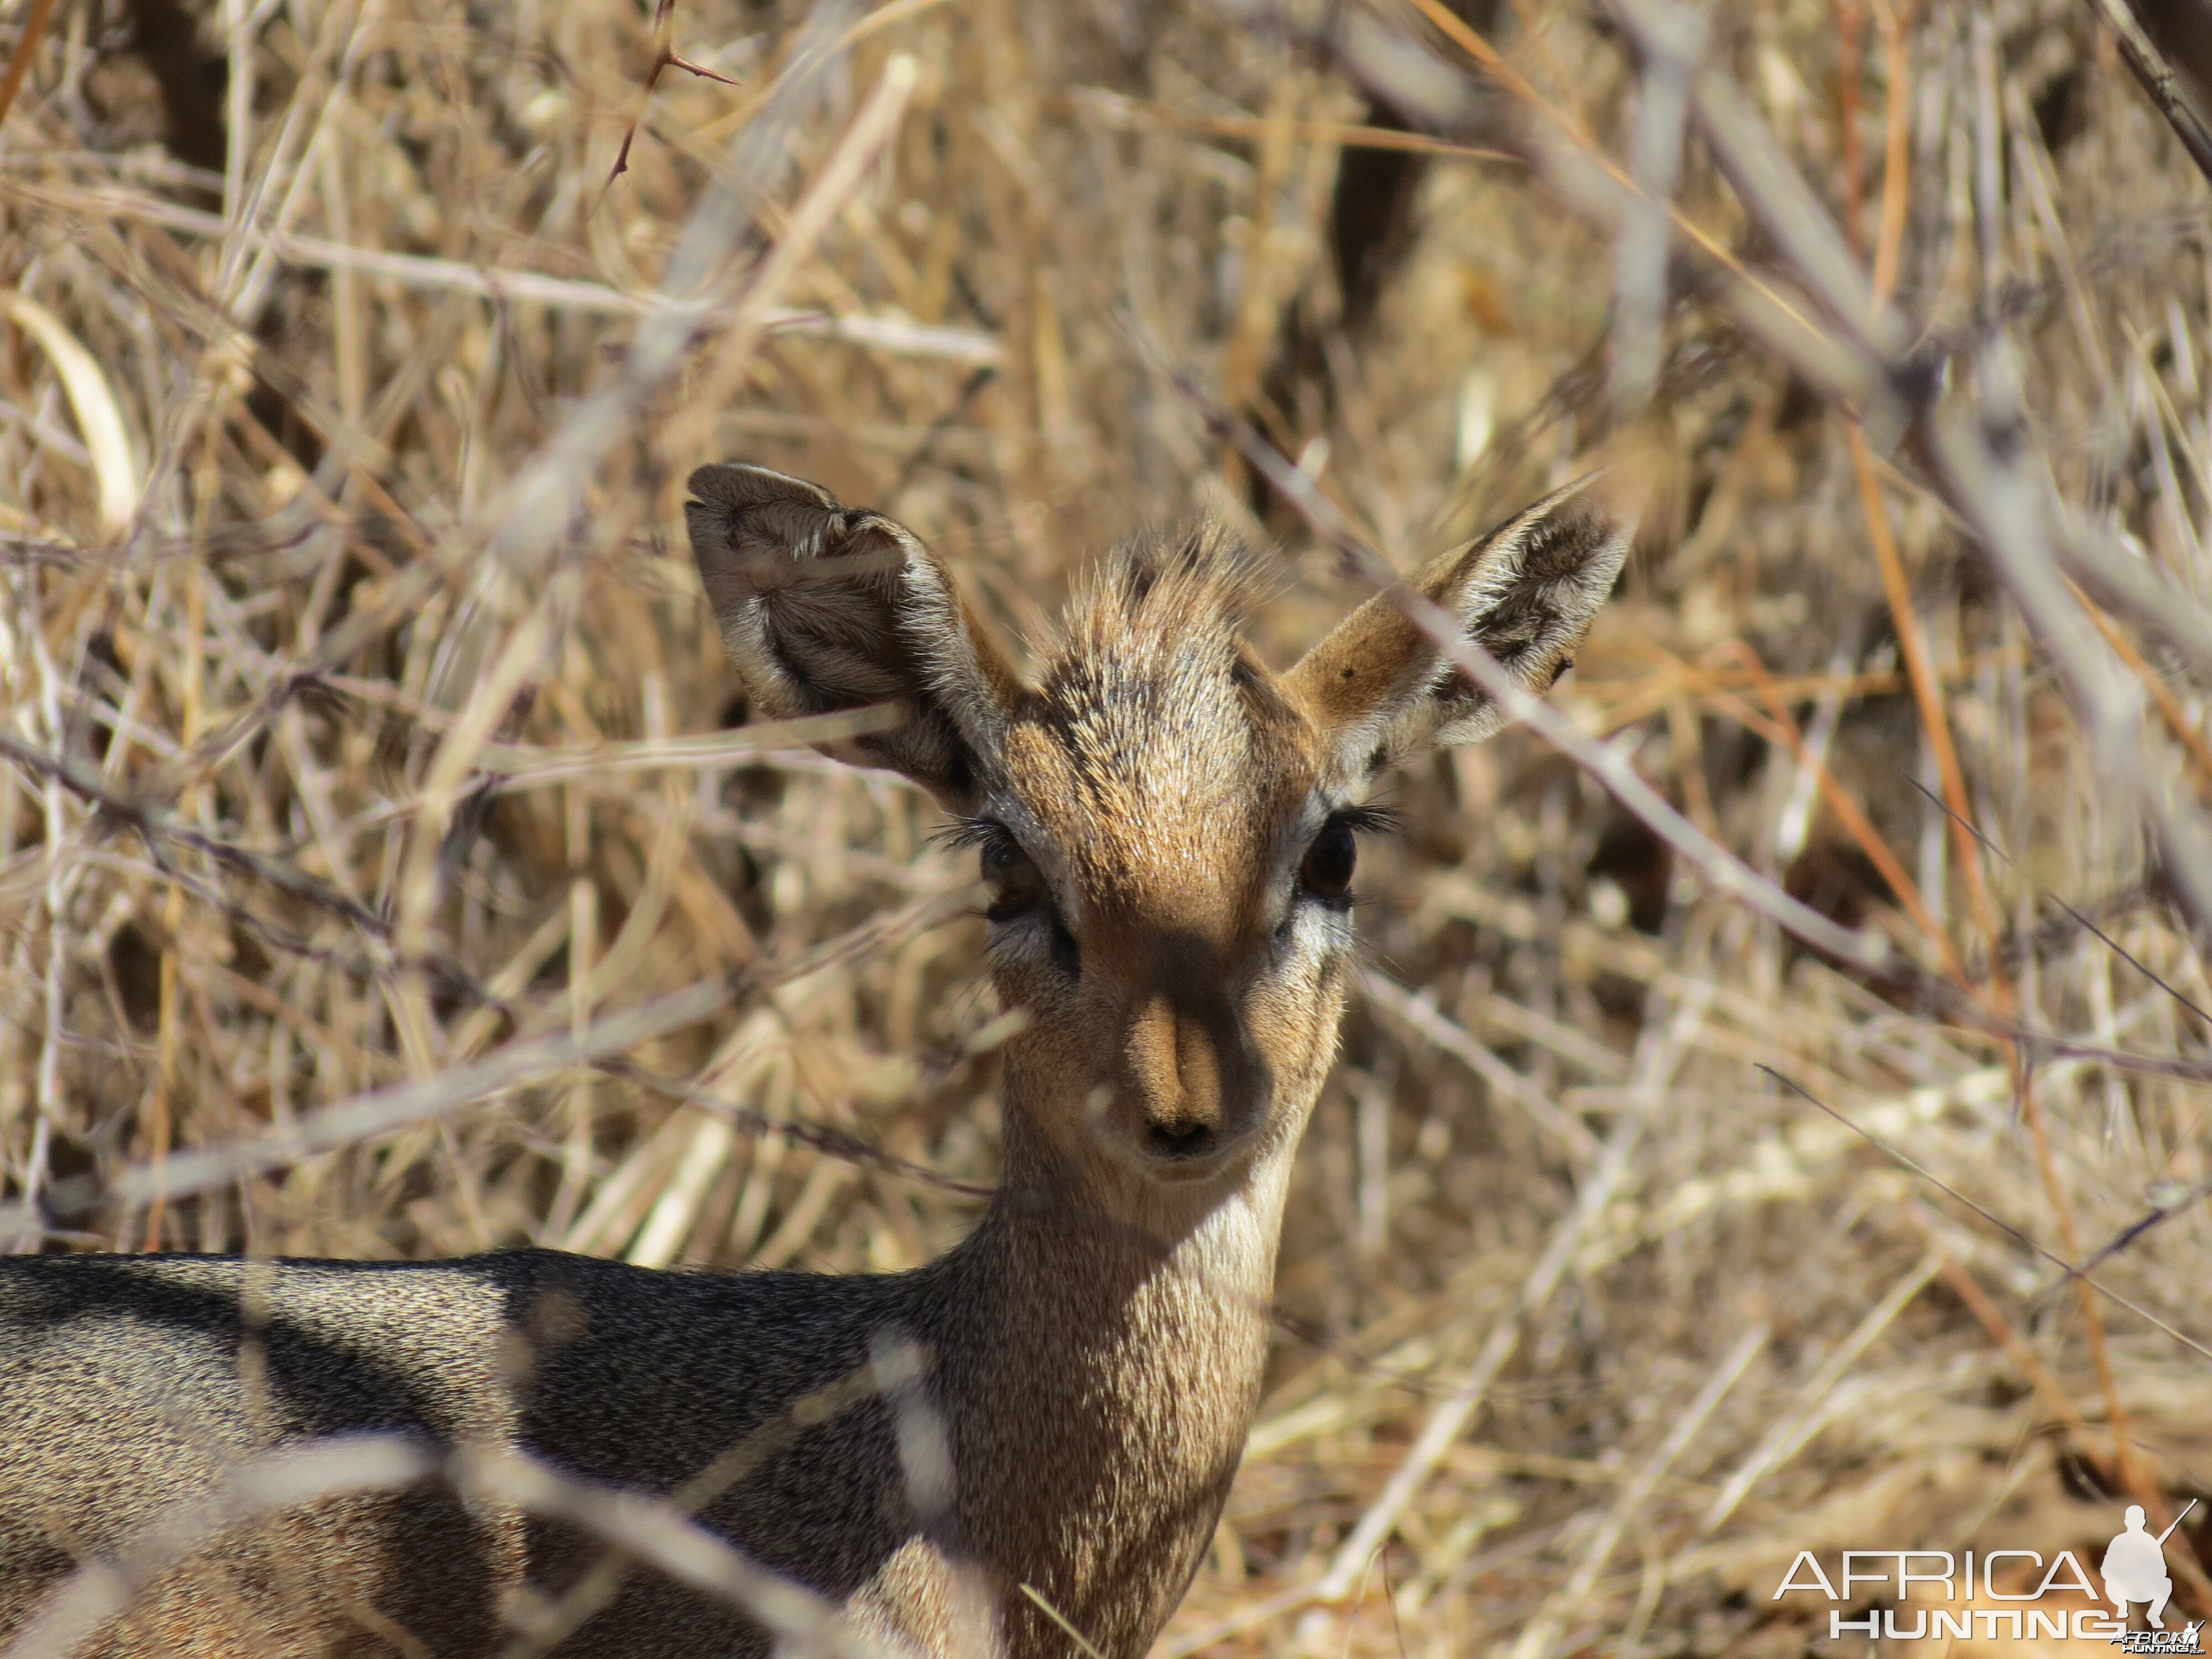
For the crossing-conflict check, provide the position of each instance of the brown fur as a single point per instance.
(1094, 1347)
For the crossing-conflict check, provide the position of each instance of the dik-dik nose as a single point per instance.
(1174, 1067)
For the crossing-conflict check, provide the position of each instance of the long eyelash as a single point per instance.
(1370, 820)
(971, 832)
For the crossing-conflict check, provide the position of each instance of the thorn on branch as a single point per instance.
(669, 59)
(665, 56)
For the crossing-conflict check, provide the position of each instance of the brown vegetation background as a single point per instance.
(361, 718)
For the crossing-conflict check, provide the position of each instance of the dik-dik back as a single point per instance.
(1168, 830)
(131, 1383)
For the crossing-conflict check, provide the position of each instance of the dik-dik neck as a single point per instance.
(1098, 1423)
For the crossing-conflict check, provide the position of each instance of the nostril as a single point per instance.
(1181, 1140)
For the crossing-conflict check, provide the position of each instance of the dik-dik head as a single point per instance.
(1167, 827)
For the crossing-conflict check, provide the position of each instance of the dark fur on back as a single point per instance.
(550, 1353)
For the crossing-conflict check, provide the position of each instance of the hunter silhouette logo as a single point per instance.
(2133, 1572)
(2134, 1567)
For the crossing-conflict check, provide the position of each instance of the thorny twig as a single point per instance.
(2158, 1213)
(2079, 1274)
(2110, 943)
(665, 56)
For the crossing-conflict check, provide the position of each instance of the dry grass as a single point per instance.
(355, 743)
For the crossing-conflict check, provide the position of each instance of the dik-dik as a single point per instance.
(1167, 829)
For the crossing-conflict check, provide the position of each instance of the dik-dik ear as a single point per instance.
(824, 608)
(1378, 688)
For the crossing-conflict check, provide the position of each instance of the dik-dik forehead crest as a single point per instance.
(1157, 752)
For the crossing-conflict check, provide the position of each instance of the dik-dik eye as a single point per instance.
(1015, 882)
(1327, 872)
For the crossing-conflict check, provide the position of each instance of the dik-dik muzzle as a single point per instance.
(1189, 1082)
